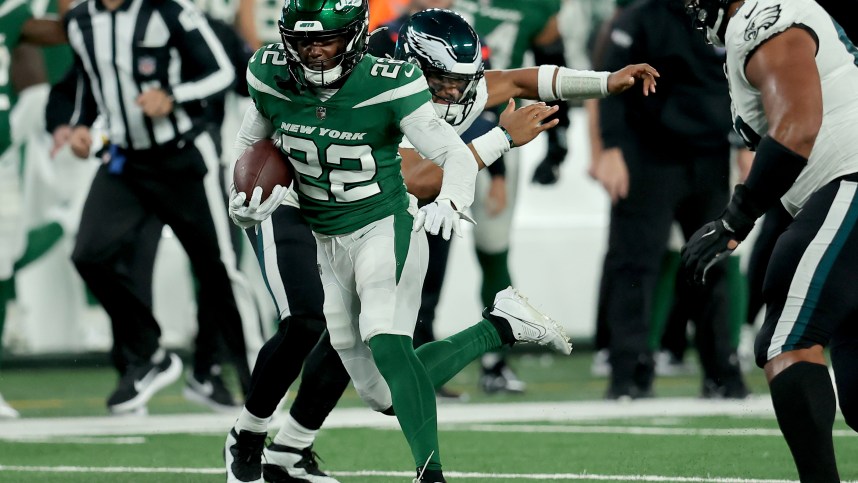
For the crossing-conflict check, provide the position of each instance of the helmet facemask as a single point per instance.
(312, 72)
(453, 95)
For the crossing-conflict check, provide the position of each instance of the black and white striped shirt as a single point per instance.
(145, 44)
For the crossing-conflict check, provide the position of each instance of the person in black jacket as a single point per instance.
(665, 158)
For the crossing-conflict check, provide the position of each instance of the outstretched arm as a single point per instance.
(41, 31)
(549, 83)
(517, 127)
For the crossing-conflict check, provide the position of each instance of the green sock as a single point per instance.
(412, 393)
(443, 359)
(39, 241)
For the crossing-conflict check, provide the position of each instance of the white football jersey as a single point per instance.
(479, 104)
(835, 152)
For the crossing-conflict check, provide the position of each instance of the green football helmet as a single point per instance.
(321, 20)
(448, 52)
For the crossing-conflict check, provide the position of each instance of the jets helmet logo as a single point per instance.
(764, 19)
(347, 3)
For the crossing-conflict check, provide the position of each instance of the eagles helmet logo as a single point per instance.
(764, 19)
(437, 50)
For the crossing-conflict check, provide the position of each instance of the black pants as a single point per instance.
(439, 251)
(777, 219)
(286, 250)
(810, 292)
(116, 243)
(692, 192)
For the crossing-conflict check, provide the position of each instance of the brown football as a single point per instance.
(261, 164)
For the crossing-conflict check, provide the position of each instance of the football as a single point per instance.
(261, 164)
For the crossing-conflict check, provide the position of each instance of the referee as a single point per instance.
(146, 69)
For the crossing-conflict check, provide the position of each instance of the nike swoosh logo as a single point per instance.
(751, 12)
(707, 234)
(409, 73)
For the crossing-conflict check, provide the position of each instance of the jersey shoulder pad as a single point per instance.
(397, 84)
(266, 66)
(754, 23)
(389, 73)
(268, 58)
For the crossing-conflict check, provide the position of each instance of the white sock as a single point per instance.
(489, 359)
(248, 422)
(294, 435)
(158, 356)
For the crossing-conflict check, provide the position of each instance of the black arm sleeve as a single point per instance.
(206, 69)
(71, 100)
(237, 50)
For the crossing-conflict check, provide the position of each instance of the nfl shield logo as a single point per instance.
(321, 113)
(146, 65)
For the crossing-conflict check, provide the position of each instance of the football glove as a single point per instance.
(714, 242)
(440, 217)
(256, 211)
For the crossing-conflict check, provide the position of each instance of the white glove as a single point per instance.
(255, 212)
(440, 216)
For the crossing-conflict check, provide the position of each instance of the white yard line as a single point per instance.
(759, 406)
(661, 431)
(404, 474)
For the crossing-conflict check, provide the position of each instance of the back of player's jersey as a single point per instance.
(508, 27)
(835, 152)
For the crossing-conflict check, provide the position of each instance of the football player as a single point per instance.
(459, 89)
(17, 26)
(793, 76)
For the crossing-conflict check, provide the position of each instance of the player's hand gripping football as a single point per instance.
(526, 123)
(626, 77)
(256, 211)
(440, 217)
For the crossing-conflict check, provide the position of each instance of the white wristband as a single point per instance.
(545, 82)
(491, 145)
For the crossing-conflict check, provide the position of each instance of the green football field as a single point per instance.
(559, 430)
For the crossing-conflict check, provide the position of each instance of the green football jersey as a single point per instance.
(13, 14)
(58, 58)
(344, 150)
(508, 27)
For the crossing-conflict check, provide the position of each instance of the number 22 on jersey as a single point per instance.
(342, 185)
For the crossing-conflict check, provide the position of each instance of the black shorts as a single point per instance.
(811, 286)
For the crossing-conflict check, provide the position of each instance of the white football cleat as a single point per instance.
(527, 323)
(7, 411)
